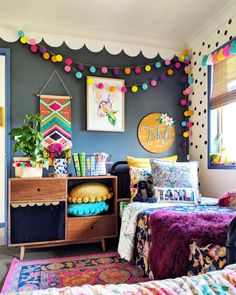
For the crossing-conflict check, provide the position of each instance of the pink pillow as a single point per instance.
(228, 199)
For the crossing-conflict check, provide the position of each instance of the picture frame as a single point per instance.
(105, 104)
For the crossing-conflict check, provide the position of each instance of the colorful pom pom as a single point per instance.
(167, 62)
(42, 49)
(183, 102)
(34, 48)
(59, 57)
(32, 41)
(147, 68)
(23, 40)
(137, 70)
(177, 65)
(127, 71)
(183, 123)
(190, 80)
(53, 58)
(104, 70)
(80, 67)
(153, 83)
(170, 72)
(78, 75)
(144, 86)
(189, 124)
(67, 68)
(186, 134)
(115, 71)
(21, 33)
(158, 65)
(68, 61)
(92, 69)
(162, 77)
(134, 88)
(46, 55)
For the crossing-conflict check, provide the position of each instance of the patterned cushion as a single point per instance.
(89, 193)
(145, 162)
(88, 209)
(228, 199)
(176, 175)
(137, 174)
(204, 259)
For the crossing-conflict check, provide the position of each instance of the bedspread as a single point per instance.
(219, 282)
(143, 232)
(129, 224)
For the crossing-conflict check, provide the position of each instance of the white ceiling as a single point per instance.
(163, 23)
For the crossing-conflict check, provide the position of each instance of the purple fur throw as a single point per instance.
(172, 233)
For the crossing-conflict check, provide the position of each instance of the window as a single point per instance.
(222, 131)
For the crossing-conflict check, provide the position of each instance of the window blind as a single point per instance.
(224, 83)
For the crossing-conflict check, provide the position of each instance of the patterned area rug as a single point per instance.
(107, 268)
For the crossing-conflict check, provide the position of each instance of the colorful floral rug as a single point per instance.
(107, 268)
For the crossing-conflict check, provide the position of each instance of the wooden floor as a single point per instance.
(7, 254)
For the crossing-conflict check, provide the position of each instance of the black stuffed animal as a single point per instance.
(145, 191)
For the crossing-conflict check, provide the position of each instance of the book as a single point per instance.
(76, 164)
(82, 164)
(93, 166)
(88, 165)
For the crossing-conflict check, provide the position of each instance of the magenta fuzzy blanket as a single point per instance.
(172, 233)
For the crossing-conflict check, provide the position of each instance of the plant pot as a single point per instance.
(60, 167)
(26, 172)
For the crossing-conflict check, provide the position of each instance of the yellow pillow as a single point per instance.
(145, 162)
(89, 193)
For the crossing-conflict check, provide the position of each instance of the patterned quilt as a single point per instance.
(143, 232)
(219, 282)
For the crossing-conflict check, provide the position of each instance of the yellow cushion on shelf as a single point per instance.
(145, 162)
(89, 192)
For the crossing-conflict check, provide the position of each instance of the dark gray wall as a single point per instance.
(30, 71)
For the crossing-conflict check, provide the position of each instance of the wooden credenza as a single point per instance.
(37, 213)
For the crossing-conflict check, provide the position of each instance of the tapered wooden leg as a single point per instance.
(103, 245)
(22, 252)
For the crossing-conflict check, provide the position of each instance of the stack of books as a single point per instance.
(84, 164)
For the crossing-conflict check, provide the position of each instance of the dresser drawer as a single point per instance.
(82, 228)
(37, 189)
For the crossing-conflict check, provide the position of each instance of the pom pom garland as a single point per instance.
(127, 71)
(104, 70)
(100, 85)
(137, 70)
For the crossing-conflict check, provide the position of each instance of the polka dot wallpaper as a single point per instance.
(212, 182)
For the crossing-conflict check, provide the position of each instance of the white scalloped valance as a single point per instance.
(32, 204)
(75, 43)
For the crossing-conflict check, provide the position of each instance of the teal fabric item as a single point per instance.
(87, 209)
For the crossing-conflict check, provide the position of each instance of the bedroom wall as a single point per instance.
(29, 72)
(212, 182)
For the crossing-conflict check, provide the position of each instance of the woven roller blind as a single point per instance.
(224, 73)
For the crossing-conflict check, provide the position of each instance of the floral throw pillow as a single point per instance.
(182, 175)
(137, 174)
(204, 259)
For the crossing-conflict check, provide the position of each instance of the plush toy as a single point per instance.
(145, 192)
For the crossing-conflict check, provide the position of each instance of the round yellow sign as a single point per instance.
(156, 132)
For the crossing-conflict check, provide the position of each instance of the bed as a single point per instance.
(145, 228)
(219, 282)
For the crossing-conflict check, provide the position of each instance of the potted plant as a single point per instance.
(29, 141)
(58, 154)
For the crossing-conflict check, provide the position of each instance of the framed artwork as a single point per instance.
(156, 132)
(105, 104)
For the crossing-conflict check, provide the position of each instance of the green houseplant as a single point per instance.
(29, 141)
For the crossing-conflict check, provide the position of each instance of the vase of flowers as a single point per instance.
(57, 152)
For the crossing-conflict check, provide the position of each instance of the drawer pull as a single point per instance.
(91, 227)
(38, 189)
